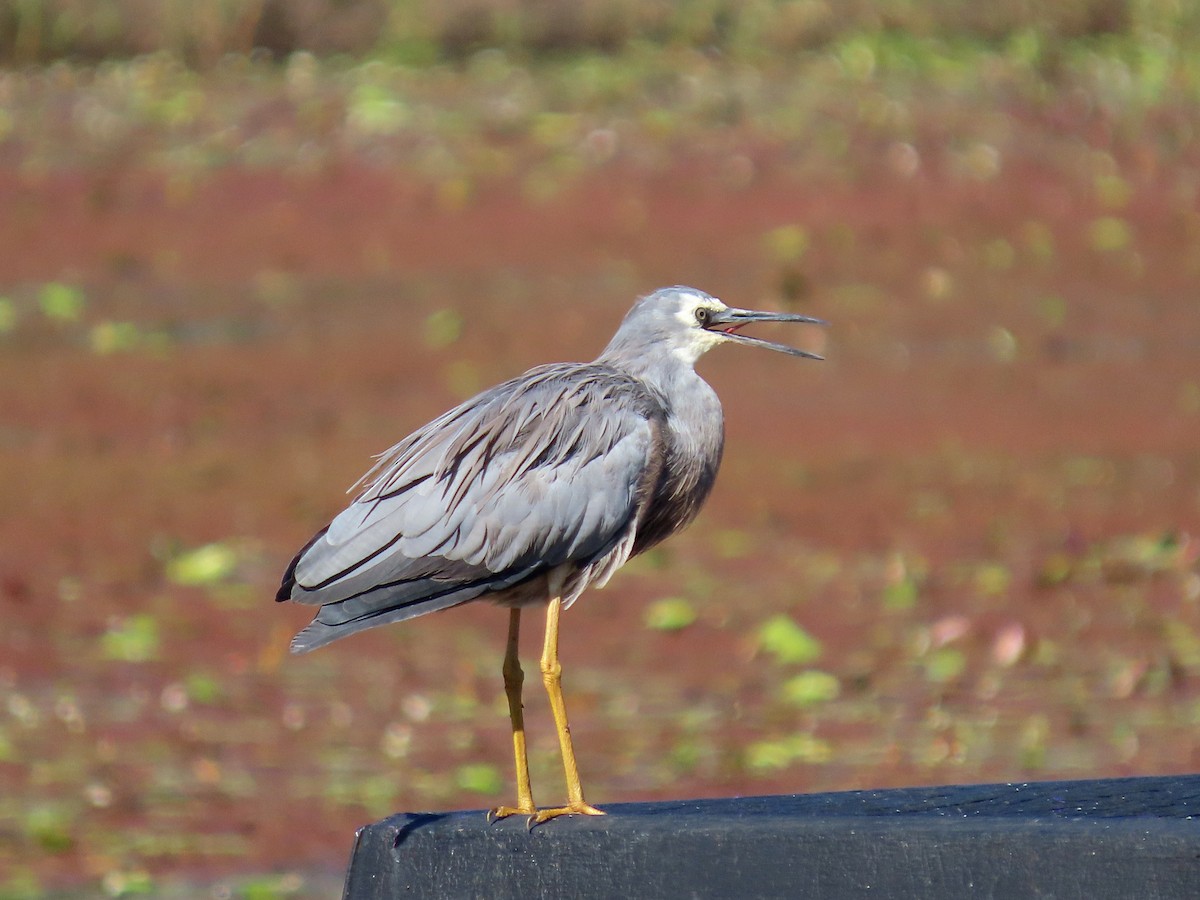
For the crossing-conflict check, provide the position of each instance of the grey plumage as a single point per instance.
(541, 486)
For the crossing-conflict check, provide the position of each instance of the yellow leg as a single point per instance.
(552, 677)
(513, 679)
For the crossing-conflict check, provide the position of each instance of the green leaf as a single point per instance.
(266, 887)
(8, 750)
(8, 315)
(1109, 233)
(809, 749)
(810, 688)
(51, 827)
(128, 884)
(134, 639)
(114, 337)
(442, 328)
(788, 642)
(944, 665)
(1033, 740)
(59, 301)
(992, 579)
(1183, 645)
(208, 564)
(765, 756)
(769, 755)
(373, 109)
(787, 243)
(203, 688)
(900, 594)
(669, 614)
(480, 778)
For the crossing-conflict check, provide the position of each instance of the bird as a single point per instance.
(531, 492)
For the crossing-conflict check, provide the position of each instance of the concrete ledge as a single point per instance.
(1118, 838)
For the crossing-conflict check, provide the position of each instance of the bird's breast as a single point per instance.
(692, 443)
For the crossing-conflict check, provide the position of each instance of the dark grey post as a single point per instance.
(1118, 838)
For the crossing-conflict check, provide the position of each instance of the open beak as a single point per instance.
(729, 322)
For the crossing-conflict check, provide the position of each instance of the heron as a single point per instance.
(532, 492)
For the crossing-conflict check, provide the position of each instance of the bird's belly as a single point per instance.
(527, 593)
(566, 581)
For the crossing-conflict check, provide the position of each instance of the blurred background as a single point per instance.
(244, 245)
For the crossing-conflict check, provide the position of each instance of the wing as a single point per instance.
(546, 469)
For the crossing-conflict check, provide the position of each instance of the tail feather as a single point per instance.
(392, 603)
(318, 634)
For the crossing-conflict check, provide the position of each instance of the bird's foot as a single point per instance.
(538, 816)
(571, 809)
(503, 812)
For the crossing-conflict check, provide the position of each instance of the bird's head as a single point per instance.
(688, 322)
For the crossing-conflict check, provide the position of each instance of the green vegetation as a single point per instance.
(441, 328)
(810, 688)
(50, 826)
(787, 243)
(944, 665)
(62, 302)
(785, 640)
(134, 639)
(480, 778)
(549, 91)
(420, 32)
(669, 614)
(767, 756)
(209, 564)
(8, 315)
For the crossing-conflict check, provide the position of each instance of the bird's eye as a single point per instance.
(703, 314)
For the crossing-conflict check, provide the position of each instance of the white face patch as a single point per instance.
(691, 302)
(699, 340)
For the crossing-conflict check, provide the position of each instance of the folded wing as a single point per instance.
(548, 469)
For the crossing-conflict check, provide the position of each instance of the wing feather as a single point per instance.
(545, 469)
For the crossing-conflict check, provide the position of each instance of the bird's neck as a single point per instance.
(666, 374)
(691, 405)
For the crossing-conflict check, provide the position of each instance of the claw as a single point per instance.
(571, 809)
(503, 812)
(538, 816)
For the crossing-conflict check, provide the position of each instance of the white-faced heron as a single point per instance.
(532, 492)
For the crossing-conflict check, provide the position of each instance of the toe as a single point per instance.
(572, 809)
(503, 812)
